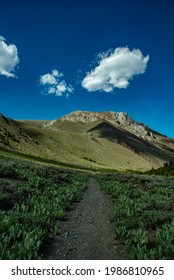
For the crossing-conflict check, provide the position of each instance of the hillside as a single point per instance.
(166, 170)
(107, 140)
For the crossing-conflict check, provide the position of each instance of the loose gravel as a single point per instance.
(87, 233)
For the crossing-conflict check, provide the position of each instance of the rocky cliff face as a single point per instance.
(119, 119)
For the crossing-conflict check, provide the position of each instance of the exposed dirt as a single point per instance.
(87, 234)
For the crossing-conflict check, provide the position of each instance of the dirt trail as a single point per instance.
(87, 234)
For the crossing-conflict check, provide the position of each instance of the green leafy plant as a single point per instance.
(48, 195)
(143, 212)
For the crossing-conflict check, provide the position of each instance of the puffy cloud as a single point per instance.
(61, 87)
(115, 70)
(53, 85)
(8, 58)
(48, 79)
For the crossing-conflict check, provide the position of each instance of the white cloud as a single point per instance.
(8, 58)
(53, 85)
(115, 70)
(51, 90)
(48, 79)
(57, 74)
(61, 87)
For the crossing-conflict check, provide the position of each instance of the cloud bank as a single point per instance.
(115, 70)
(53, 84)
(8, 58)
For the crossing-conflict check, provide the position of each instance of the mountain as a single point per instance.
(121, 120)
(99, 140)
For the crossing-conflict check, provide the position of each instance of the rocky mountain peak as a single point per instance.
(119, 119)
(85, 116)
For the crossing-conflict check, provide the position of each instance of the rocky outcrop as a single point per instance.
(119, 119)
(49, 123)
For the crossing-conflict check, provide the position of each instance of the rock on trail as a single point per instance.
(87, 234)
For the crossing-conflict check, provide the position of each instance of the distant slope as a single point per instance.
(12, 136)
(91, 140)
(118, 119)
(147, 149)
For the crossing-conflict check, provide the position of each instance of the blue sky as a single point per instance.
(69, 36)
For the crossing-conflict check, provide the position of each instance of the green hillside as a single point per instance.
(96, 144)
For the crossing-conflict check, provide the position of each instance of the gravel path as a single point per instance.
(87, 234)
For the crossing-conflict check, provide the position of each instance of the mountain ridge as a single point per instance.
(120, 119)
(109, 140)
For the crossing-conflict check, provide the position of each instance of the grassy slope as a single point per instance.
(74, 147)
(82, 145)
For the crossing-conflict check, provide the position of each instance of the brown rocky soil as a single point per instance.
(87, 234)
